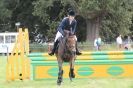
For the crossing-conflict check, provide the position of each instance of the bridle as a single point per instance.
(71, 48)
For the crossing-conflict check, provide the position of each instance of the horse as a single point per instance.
(66, 52)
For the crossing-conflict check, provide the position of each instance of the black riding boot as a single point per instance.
(77, 50)
(54, 48)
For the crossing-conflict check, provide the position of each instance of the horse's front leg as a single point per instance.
(60, 73)
(71, 72)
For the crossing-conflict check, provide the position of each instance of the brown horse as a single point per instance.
(66, 52)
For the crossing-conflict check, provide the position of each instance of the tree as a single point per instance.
(50, 13)
(5, 16)
(21, 12)
(118, 20)
(104, 15)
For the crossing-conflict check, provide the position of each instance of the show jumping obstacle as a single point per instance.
(38, 66)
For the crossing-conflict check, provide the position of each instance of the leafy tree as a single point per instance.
(103, 17)
(50, 13)
(21, 12)
(5, 15)
(108, 17)
(118, 20)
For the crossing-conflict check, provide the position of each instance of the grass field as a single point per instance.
(77, 83)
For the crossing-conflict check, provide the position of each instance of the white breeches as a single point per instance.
(58, 35)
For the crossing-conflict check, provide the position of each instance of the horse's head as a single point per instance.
(71, 43)
(67, 33)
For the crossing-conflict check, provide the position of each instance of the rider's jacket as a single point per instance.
(65, 25)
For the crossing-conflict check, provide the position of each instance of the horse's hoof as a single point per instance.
(71, 75)
(71, 79)
(58, 83)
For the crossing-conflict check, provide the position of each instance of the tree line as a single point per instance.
(105, 18)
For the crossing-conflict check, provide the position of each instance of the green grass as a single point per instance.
(77, 83)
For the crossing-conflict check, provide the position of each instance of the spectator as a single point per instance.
(119, 42)
(127, 43)
(97, 43)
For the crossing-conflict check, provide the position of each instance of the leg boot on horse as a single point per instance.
(71, 74)
(54, 48)
(60, 74)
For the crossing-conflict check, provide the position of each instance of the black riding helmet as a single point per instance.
(71, 13)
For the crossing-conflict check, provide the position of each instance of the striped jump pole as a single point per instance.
(101, 64)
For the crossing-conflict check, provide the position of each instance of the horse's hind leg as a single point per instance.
(71, 72)
(60, 73)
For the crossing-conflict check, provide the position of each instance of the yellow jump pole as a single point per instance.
(21, 47)
(26, 51)
(17, 57)
(14, 60)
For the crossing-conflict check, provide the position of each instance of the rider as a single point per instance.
(68, 23)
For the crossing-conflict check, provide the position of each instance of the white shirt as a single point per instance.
(119, 40)
(95, 42)
(99, 40)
